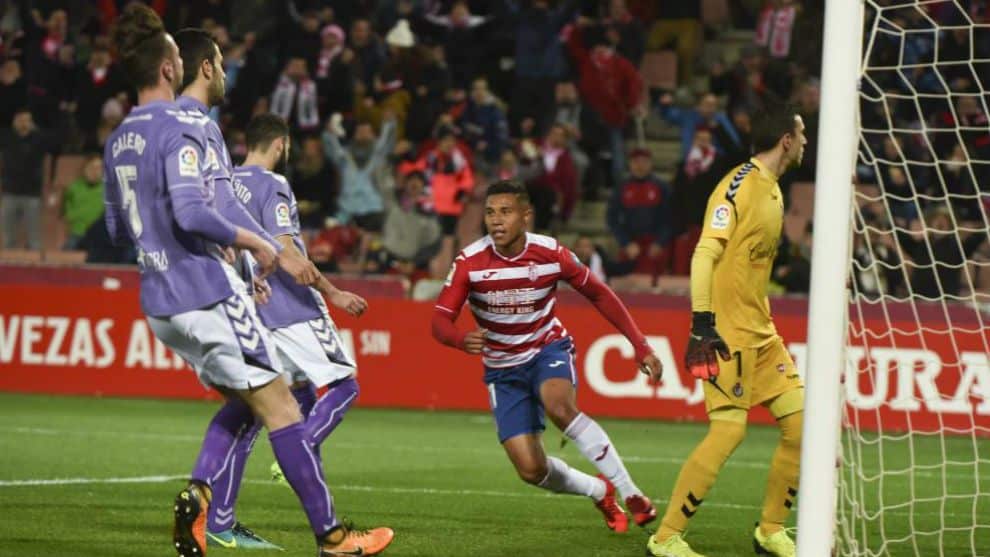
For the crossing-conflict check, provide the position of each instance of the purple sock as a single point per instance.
(228, 484)
(303, 472)
(330, 409)
(229, 424)
(306, 397)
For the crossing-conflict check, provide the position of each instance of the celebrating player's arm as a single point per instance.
(611, 307)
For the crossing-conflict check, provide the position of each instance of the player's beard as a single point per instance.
(216, 92)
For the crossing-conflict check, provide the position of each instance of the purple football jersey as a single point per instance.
(155, 194)
(219, 169)
(270, 201)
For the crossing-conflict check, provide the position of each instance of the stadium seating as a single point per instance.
(20, 256)
(65, 257)
(659, 70)
(715, 12)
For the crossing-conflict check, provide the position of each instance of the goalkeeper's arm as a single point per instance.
(705, 341)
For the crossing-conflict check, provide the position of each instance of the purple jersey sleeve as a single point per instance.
(184, 181)
(237, 213)
(277, 209)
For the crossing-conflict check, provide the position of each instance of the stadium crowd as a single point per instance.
(402, 111)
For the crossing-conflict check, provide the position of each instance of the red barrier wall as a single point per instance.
(94, 341)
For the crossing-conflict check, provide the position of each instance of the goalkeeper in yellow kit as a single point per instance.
(742, 359)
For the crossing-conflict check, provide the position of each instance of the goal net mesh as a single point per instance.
(915, 453)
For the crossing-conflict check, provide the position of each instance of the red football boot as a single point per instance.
(615, 517)
(641, 509)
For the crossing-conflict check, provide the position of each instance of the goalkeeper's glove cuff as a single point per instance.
(702, 322)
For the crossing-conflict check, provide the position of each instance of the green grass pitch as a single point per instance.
(95, 477)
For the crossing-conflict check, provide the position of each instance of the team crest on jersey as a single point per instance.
(737, 390)
(534, 273)
(282, 217)
(721, 217)
(781, 368)
(188, 162)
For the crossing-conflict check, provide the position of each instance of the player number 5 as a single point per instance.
(126, 175)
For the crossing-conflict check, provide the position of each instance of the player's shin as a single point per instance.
(303, 472)
(595, 445)
(231, 422)
(227, 484)
(329, 410)
(782, 483)
(561, 478)
(699, 472)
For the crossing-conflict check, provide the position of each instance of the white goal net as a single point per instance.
(915, 448)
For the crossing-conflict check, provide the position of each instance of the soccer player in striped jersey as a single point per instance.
(509, 279)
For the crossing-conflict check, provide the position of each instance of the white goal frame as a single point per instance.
(828, 304)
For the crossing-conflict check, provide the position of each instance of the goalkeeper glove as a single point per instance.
(704, 343)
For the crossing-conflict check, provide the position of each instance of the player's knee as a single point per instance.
(276, 418)
(532, 472)
(562, 413)
(275, 406)
(727, 434)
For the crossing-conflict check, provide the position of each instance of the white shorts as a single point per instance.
(226, 343)
(312, 351)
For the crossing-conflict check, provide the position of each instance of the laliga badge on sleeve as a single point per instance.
(282, 215)
(188, 162)
(721, 217)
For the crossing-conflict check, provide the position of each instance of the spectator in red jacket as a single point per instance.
(450, 176)
(640, 216)
(610, 85)
(556, 188)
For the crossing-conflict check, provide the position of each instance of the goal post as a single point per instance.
(827, 312)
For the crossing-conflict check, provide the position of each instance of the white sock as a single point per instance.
(595, 445)
(561, 478)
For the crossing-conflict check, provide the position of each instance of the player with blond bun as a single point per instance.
(742, 360)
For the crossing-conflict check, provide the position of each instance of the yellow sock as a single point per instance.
(783, 481)
(698, 474)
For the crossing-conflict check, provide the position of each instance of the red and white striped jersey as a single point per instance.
(513, 298)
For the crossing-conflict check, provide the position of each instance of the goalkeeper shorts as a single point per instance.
(753, 376)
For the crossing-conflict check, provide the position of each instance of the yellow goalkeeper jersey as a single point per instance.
(747, 211)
